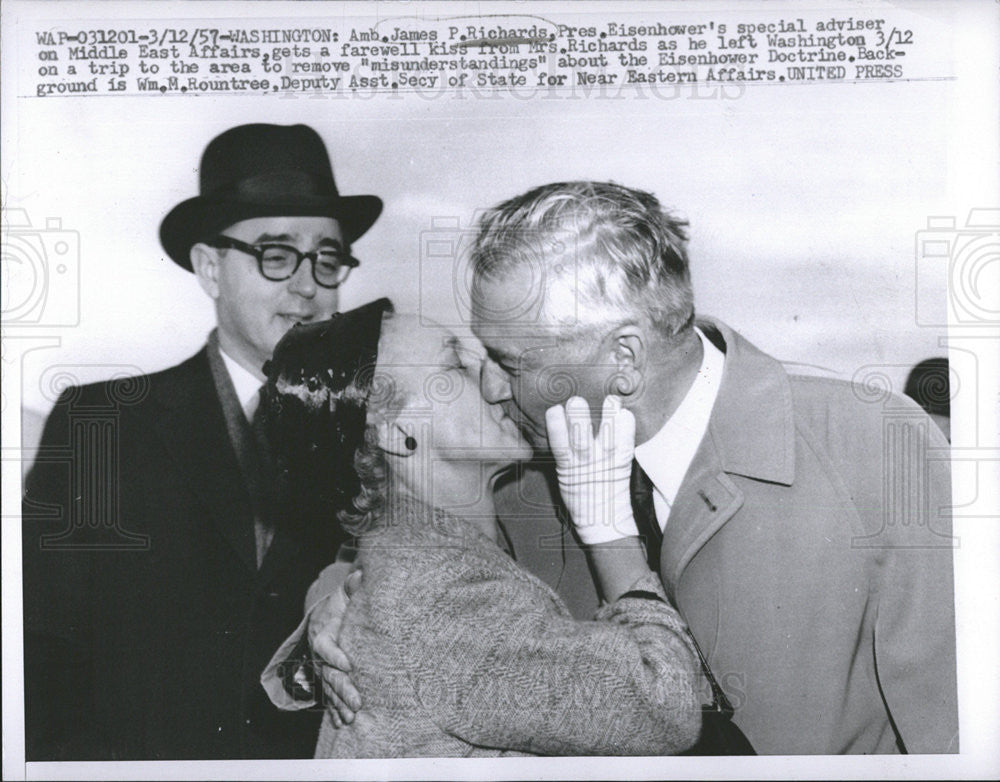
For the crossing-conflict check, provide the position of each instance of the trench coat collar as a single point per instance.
(752, 422)
(751, 433)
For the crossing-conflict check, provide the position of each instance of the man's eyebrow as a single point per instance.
(328, 241)
(264, 238)
(456, 346)
(450, 344)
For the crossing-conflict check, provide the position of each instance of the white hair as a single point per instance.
(596, 251)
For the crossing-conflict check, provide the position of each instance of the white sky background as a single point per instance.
(805, 202)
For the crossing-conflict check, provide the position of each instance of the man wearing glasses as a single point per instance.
(156, 582)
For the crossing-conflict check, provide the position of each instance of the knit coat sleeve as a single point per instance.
(496, 666)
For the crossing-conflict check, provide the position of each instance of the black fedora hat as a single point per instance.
(315, 405)
(263, 171)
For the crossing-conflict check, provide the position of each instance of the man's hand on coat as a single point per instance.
(341, 697)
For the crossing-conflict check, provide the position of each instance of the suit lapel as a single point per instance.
(707, 499)
(751, 433)
(193, 430)
(284, 550)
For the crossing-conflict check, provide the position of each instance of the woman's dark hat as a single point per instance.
(263, 171)
(315, 406)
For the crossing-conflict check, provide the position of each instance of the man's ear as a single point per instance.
(627, 351)
(205, 262)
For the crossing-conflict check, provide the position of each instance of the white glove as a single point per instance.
(594, 472)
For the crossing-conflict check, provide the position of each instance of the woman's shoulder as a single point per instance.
(438, 552)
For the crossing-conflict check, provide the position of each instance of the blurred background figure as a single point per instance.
(928, 385)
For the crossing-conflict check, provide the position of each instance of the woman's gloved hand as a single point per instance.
(594, 472)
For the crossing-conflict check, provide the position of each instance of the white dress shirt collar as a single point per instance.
(668, 454)
(245, 382)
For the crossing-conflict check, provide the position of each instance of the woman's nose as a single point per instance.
(494, 383)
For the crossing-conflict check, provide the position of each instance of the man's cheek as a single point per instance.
(539, 442)
(329, 304)
(536, 419)
(531, 394)
(529, 406)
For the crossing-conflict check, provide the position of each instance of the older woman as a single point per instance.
(456, 650)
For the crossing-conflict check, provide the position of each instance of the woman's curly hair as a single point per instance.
(368, 504)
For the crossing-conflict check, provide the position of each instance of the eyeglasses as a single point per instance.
(277, 262)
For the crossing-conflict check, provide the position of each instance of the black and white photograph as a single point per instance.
(500, 390)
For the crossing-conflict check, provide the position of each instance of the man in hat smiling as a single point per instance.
(156, 580)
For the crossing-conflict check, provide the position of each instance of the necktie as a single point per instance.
(645, 515)
(263, 531)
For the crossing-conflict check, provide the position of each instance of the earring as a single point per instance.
(410, 443)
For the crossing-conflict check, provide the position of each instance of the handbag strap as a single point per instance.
(720, 702)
